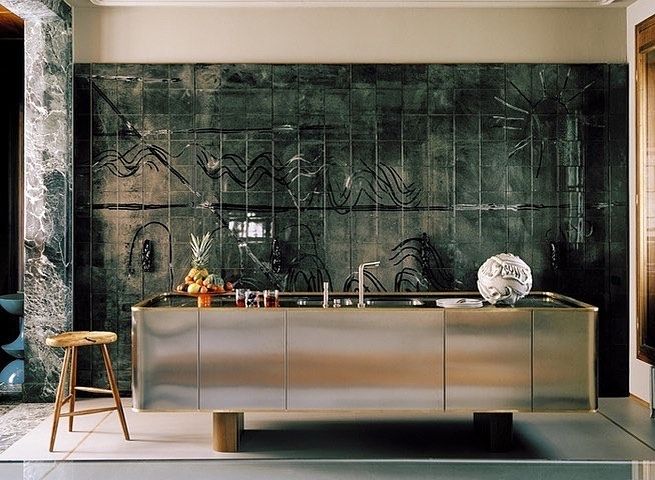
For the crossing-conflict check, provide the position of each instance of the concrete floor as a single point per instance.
(615, 443)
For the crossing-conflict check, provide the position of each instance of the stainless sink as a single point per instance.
(318, 302)
(400, 302)
(393, 302)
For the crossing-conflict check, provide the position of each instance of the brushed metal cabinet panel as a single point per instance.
(242, 355)
(564, 360)
(165, 359)
(488, 359)
(365, 359)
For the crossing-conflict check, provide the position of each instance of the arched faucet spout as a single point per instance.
(360, 280)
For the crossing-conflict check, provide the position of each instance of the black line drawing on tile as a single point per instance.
(431, 273)
(528, 122)
(372, 283)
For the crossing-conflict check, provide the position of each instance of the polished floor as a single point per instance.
(617, 442)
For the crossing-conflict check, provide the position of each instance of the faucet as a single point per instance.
(326, 295)
(360, 280)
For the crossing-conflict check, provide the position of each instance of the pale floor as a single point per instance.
(290, 446)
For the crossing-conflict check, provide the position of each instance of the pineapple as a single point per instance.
(199, 280)
(200, 256)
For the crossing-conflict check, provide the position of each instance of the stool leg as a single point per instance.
(59, 397)
(72, 382)
(114, 389)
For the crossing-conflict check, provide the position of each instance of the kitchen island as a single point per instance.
(400, 353)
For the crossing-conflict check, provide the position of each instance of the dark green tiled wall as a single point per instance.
(304, 171)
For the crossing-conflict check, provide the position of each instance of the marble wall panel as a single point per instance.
(48, 185)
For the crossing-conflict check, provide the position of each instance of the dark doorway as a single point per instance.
(11, 168)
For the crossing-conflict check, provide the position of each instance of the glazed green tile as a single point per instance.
(618, 152)
(364, 127)
(491, 101)
(363, 100)
(207, 76)
(241, 76)
(415, 99)
(415, 74)
(337, 127)
(493, 178)
(363, 153)
(492, 76)
(545, 179)
(493, 224)
(337, 154)
(181, 76)
(182, 127)
(442, 129)
(519, 81)
(571, 76)
(519, 179)
(467, 230)
(207, 102)
(233, 102)
(285, 101)
(594, 127)
(467, 101)
(337, 101)
(441, 101)
(467, 128)
(415, 127)
(441, 77)
(258, 101)
(492, 128)
(544, 81)
(618, 102)
(156, 77)
(390, 153)
(181, 102)
(312, 75)
(594, 102)
(493, 154)
(417, 152)
(312, 127)
(285, 76)
(544, 127)
(235, 121)
(364, 76)
(467, 76)
(389, 101)
(618, 128)
(442, 156)
(468, 153)
(497, 198)
(311, 100)
(389, 128)
(260, 125)
(389, 76)
(596, 74)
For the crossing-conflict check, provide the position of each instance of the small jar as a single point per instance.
(204, 300)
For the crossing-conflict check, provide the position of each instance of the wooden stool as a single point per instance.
(70, 341)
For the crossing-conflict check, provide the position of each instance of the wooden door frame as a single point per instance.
(644, 43)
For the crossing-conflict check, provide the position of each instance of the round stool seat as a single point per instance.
(80, 339)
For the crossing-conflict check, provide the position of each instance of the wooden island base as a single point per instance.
(226, 431)
(493, 429)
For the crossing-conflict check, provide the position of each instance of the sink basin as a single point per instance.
(12, 303)
(393, 302)
(318, 302)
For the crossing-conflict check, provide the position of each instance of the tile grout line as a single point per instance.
(626, 431)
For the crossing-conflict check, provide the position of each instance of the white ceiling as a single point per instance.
(395, 3)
